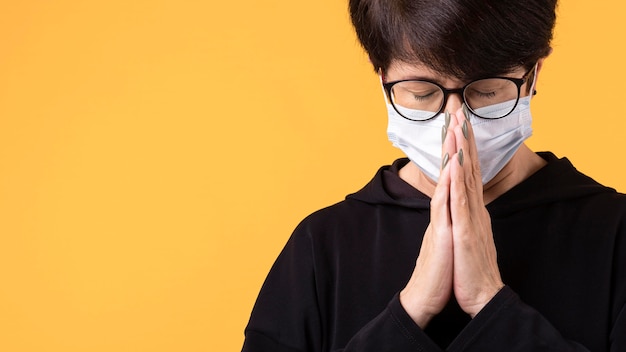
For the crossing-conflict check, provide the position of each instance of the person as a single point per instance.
(473, 242)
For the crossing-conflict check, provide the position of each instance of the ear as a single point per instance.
(539, 66)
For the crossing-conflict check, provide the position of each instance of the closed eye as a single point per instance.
(422, 97)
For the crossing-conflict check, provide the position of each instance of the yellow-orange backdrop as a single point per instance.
(156, 155)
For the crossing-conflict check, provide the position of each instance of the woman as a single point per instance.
(473, 243)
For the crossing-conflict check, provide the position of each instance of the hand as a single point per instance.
(458, 253)
(476, 277)
(430, 287)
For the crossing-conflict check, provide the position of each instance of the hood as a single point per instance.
(555, 182)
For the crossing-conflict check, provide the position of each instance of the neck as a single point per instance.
(523, 164)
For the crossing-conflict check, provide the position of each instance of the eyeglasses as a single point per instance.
(489, 98)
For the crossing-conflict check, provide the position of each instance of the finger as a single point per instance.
(440, 202)
(465, 142)
(473, 150)
(459, 201)
(448, 147)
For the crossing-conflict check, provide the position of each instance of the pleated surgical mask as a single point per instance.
(497, 140)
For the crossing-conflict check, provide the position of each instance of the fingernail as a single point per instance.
(466, 111)
(446, 158)
(464, 129)
(444, 132)
(461, 156)
(447, 115)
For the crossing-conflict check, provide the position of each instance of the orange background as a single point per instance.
(156, 155)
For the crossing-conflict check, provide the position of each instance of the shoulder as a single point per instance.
(340, 216)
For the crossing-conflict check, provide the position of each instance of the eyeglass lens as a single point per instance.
(488, 98)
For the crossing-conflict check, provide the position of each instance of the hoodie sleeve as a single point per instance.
(508, 324)
(505, 324)
(392, 330)
(286, 315)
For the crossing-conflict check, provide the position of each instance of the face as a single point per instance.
(426, 96)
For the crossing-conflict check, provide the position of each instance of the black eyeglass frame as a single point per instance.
(461, 91)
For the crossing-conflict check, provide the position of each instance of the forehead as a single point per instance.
(399, 70)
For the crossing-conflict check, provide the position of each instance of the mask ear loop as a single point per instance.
(532, 88)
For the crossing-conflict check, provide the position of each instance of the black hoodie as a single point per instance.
(561, 243)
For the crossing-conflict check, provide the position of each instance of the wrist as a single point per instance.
(487, 296)
(418, 312)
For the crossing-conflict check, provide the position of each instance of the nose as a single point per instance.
(454, 102)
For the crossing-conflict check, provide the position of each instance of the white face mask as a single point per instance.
(497, 140)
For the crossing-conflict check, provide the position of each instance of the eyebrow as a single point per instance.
(420, 78)
(414, 78)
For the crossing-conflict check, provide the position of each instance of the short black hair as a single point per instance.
(466, 39)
